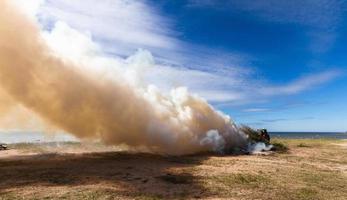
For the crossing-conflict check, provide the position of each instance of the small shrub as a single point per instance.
(279, 147)
(303, 145)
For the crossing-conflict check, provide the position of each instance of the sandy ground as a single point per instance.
(342, 143)
(312, 169)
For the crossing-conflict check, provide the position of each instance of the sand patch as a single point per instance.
(342, 144)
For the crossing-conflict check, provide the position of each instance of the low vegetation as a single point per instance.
(252, 134)
(279, 147)
(303, 169)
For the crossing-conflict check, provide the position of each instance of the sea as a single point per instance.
(29, 137)
(309, 135)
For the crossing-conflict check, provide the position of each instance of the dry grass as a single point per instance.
(309, 169)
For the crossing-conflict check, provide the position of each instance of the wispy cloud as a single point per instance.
(286, 119)
(267, 122)
(302, 84)
(314, 13)
(124, 26)
(255, 110)
(235, 88)
(321, 17)
(274, 120)
(121, 27)
(125, 23)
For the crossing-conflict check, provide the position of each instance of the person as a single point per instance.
(264, 135)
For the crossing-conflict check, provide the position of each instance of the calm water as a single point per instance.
(309, 135)
(19, 136)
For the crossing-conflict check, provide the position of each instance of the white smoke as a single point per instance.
(68, 82)
(259, 147)
(133, 69)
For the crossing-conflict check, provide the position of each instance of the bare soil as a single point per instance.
(311, 169)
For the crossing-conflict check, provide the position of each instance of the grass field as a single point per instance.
(310, 169)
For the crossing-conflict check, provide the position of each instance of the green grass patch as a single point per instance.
(303, 145)
(314, 142)
(306, 194)
(280, 147)
(242, 180)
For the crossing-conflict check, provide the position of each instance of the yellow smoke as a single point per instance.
(113, 112)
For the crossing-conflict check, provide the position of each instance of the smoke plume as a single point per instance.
(111, 111)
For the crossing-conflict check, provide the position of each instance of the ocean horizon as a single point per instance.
(309, 135)
(31, 137)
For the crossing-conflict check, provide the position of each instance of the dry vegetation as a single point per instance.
(310, 169)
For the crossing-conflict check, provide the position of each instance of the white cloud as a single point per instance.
(127, 24)
(78, 30)
(121, 27)
(235, 85)
(302, 84)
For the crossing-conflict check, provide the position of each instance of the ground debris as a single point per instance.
(3, 147)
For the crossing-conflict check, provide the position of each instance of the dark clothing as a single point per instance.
(265, 136)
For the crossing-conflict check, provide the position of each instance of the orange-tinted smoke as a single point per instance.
(110, 111)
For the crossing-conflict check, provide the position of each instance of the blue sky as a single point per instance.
(276, 64)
